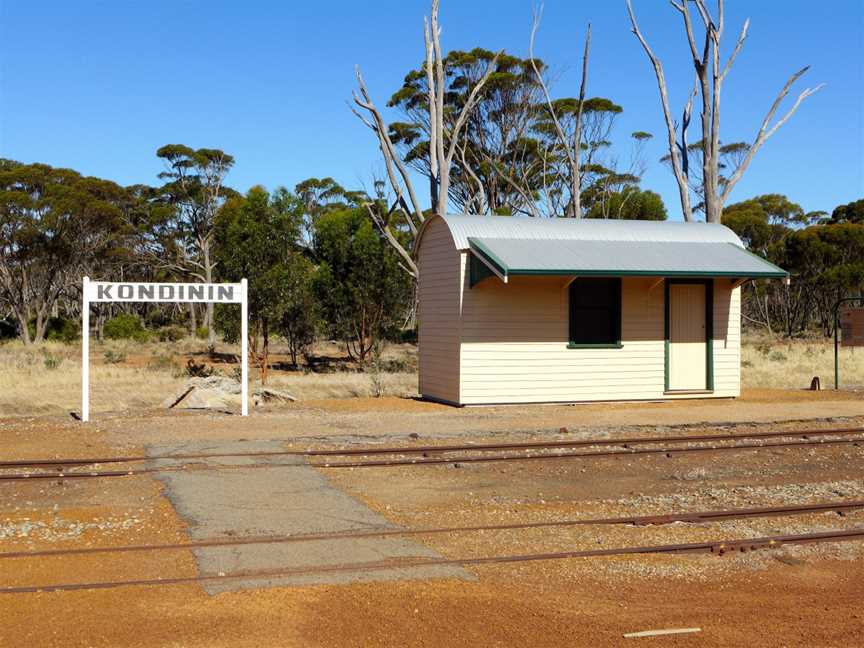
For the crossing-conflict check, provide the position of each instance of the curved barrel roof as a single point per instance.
(585, 229)
(587, 247)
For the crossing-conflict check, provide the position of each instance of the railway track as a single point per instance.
(409, 450)
(82, 468)
(694, 517)
(417, 455)
(718, 547)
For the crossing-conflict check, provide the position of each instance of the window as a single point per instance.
(595, 313)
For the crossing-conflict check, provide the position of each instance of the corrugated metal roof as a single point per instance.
(516, 227)
(521, 256)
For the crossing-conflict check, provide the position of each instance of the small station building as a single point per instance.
(524, 310)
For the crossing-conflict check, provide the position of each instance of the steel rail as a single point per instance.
(428, 461)
(19, 463)
(669, 451)
(720, 547)
(643, 520)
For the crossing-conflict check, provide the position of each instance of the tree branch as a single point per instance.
(738, 46)
(393, 241)
(765, 132)
(683, 187)
(444, 187)
(391, 157)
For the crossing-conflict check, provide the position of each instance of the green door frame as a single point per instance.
(709, 329)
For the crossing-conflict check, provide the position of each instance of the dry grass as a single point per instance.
(792, 364)
(48, 380)
(130, 375)
(344, 385)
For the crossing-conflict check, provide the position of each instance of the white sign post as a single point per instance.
(109, 291)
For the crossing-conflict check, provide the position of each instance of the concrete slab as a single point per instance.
(285, 501)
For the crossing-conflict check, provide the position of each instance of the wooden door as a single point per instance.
(687, 337)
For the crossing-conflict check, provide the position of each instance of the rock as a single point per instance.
(213, 392)
(267, 394)
(216, 383)
(220, 392)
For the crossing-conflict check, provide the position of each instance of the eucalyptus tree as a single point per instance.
(559, 115)
(826, 262)
(54, 225)
(496, 134)
(852, 212)
(318, 196)
(522, 151)
(195, 187)
(257, 237)
(629, 203)
(445, 135)
(710, 74)
(363, 294)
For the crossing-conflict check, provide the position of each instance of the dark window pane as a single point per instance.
(595, 311)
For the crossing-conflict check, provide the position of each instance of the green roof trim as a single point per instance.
(489, 257)
(483, 249)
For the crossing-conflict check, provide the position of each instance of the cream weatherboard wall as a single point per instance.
(440, 294)
(501, 342)
(514, 343)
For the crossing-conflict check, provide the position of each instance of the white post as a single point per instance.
(85, 352)
(244, 345)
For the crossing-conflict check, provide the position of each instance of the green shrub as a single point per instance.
(8, 330)
(65, 330)
(777, 356)
(50, 360)
(171, 333)
(396, 365)
(114, 357)
(202, 332)
(407, 336)
(58, 329)
(157, 318)
(126, 327)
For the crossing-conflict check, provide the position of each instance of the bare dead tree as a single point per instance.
(572, 149)
(443, 144)
(710, 75)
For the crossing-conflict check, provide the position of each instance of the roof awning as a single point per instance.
(506, 257)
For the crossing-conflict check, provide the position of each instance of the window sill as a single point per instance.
(612, 345)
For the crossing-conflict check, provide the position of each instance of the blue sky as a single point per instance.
(99, 86)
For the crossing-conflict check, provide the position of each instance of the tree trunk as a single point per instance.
(208, 316)
(193, 319)
(24, 329)
(292, 348)
(265, 352)
(41, 325)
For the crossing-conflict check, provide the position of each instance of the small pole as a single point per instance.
(85, 351)
(244, 345)
(836, 346)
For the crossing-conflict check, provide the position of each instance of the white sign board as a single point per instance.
(112, 291)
